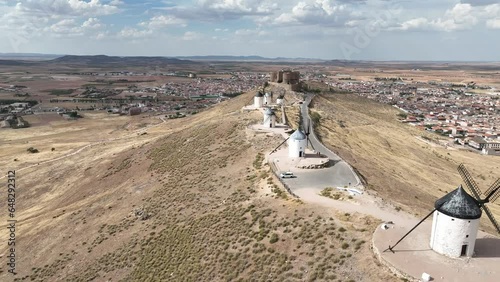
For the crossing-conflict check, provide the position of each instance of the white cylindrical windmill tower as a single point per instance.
(268, 98)
(455, 224)
(258, 100)
(269, 118)
(297, 144)
(279, 100)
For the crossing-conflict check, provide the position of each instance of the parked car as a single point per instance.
(287, 174)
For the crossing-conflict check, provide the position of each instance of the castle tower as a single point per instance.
(455, 224)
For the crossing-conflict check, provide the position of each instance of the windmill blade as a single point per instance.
(469, 182)
(284, 118)
(310, 143)
(275, 149)
(309, 132)
(492, 218)
(494, 187)
(493, 195)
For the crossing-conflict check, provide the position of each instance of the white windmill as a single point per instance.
(297, 144)
(455, 224)
(258, 100)
(268, 98)
(269, 118)
(456, 218)
(279, 100)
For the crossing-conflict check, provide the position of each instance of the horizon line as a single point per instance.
(33, 54)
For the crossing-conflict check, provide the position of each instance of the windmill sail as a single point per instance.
(494, 191)
(492, 218)
(469, 181)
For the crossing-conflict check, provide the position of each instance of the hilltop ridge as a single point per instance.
(192, 199)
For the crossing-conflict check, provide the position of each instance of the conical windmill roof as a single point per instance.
(269, 112)
(298, 135)
(459, 204)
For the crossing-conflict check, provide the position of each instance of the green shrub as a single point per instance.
(274, 238)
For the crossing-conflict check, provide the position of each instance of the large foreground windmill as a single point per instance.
(456, 218)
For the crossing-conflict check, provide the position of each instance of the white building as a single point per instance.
(455, 224)
(297, 144)
(258, 100)
(279, 100)
(269, 118)
(268, 98)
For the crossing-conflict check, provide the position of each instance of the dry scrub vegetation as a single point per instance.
(395, 164)
(186, 207)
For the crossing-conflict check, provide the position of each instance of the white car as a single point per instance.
(287, 174)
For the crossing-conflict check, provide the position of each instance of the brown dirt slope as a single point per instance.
(197, 204)
(396, 165)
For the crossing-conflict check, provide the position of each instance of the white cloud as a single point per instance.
(102, 35)
(116, 2)
(162, 21)
(66, 27)
(57, 8)
(318, 12)
(493, 23)
(491, 11)
(191, 35)
(460, 17)
(92, 23)
(238, 6)
(129, 32)
(251, 32)
(221, 10)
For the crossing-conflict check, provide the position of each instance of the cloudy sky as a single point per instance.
(463, 30)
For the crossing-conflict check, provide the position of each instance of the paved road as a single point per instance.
(339, 174)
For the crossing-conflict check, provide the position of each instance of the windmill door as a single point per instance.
(464, 251)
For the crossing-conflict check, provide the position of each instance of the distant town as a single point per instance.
(467, 113)
(129, 93)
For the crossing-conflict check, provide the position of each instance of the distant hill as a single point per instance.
(422, 65)
(14, 62)
(103, 60)
(28, 56)
(247, 59)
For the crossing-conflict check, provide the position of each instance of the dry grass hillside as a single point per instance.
(192, 200)
(396, 165)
